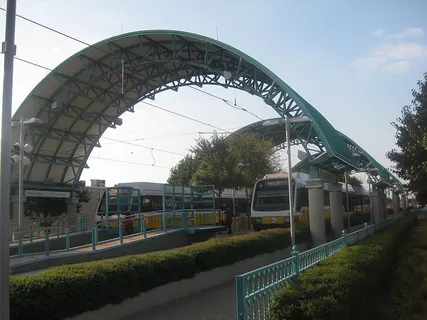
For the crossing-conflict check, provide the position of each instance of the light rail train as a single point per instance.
(270, 200)
(204, 208)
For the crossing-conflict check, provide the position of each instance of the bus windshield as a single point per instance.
(271, 195)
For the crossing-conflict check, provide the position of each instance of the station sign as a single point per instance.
(47, 194)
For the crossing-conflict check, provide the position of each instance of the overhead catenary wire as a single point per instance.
(122, 62)
(131, 162)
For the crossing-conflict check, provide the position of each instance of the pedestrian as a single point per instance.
(128, 225)
(229, 219)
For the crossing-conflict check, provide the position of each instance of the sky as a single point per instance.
(355, 62)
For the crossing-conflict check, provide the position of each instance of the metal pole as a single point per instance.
(9, 49)
(21, 175)
(347, 201)
(291, 209)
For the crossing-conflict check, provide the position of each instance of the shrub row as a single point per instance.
(66, 291)
(408, 291)
(344, 285)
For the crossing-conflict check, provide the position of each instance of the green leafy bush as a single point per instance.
(407, 294)
(344, 285)
(66, 291)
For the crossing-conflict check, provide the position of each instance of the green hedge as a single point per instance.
(66, 291)
(407, 294)
(344, 285)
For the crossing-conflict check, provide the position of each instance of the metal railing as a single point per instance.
(255, 289)
(168, 222)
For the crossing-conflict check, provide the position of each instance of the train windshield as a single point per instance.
(271, 195)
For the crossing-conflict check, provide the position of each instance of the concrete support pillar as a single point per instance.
(403, 202)
(384, 205)
(395, 202)
(337, 209)
(376, 205)
(316, 211)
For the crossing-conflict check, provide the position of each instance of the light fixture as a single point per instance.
(25, 161)
(14, 159)
(17, 146)
(28, 148)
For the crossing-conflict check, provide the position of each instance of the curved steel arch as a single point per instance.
(87, 93)
(382, 178)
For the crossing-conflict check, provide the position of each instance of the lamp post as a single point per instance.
(9, 50)
(288, 121)
(22, 161)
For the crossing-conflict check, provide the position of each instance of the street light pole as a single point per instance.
(21, 177)
(287, 122)
(291, 207)
(9, 49)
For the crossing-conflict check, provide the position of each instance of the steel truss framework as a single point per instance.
(301, 134)
(87, 93)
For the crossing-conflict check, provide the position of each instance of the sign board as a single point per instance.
(47, 194)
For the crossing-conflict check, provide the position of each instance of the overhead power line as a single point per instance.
(130, 162)
(235, 106)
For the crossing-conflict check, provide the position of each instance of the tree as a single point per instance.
(255, 157)
(48, 209)
(410, 157)
(351, 180)
(45, 209)
(83, 195)
(183, 172)
(236, 161)
(215, 164)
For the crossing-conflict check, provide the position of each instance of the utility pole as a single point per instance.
(9, 51)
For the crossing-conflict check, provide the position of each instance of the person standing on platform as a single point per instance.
(229, 219)
(128, 224)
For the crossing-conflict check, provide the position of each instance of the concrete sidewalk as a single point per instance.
(218, 303)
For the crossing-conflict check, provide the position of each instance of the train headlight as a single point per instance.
(273, 220)
(258, 220)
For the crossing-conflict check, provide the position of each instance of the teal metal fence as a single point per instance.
(141, 231)
(255, 289)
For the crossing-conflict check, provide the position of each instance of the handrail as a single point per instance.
(254, 289)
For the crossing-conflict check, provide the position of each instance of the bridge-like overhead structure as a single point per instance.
(276, 132)
(87, 93)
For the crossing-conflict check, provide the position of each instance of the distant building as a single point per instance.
(97, 183)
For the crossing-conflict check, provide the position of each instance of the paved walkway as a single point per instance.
(218, 303)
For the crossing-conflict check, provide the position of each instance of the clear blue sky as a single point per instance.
(355, 61)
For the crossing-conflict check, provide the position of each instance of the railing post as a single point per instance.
(144, 226)
(121, 231)
(141, 224)
(93, 239)
(96, 233)
(326, 250)
(81, 224)
(366, 229)
(165, 227)
(344, 238)
(31, 233)
(67, 239)
(46, 243)
(240, 298)
(184, 223)
(295, 260)
(38, 229)
(20, 244)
